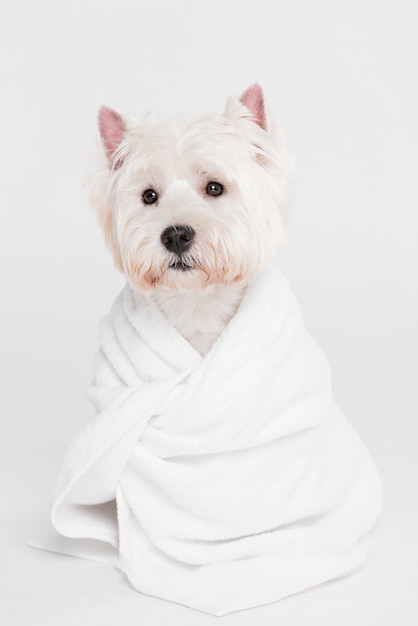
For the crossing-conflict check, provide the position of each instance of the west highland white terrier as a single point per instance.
(193, 210)
(236, 478)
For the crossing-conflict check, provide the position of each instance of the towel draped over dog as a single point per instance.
(225, 481)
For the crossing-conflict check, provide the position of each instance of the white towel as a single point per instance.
(237, 481)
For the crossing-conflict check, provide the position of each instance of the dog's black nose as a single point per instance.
(177, 238)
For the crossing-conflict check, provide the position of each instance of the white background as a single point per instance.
(341, 77)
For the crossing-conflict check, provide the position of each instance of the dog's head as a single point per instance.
(189, 203)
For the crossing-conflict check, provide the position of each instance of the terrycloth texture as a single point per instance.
(237, 480)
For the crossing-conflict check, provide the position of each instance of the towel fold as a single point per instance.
(225, 481)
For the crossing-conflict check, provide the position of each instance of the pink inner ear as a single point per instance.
(253, 99)
(112, 129)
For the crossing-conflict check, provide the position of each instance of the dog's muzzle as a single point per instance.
(178, 239)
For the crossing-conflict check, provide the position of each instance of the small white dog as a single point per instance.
(236, 478)
(193, 210)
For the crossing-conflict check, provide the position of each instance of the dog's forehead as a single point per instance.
(182, 143)
(182, 133)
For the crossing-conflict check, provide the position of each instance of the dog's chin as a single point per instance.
(181, 276)
(177, 276)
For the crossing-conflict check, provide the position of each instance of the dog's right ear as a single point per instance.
(112, 128)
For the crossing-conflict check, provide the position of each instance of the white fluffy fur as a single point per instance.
(237, 234)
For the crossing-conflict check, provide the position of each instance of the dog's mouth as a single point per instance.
(181, 266)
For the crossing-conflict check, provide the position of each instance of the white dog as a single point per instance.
(194, 209)
(225, 478)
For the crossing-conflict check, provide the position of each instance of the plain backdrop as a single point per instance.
(341, 77)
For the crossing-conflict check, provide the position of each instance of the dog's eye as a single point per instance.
(150, 196)
(214, 189)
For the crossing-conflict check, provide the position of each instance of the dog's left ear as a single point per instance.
(253, 99)
(251, 105)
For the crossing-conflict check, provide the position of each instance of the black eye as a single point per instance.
(214, 189)
(150, 196)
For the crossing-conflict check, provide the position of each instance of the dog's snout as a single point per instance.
(177, 239)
